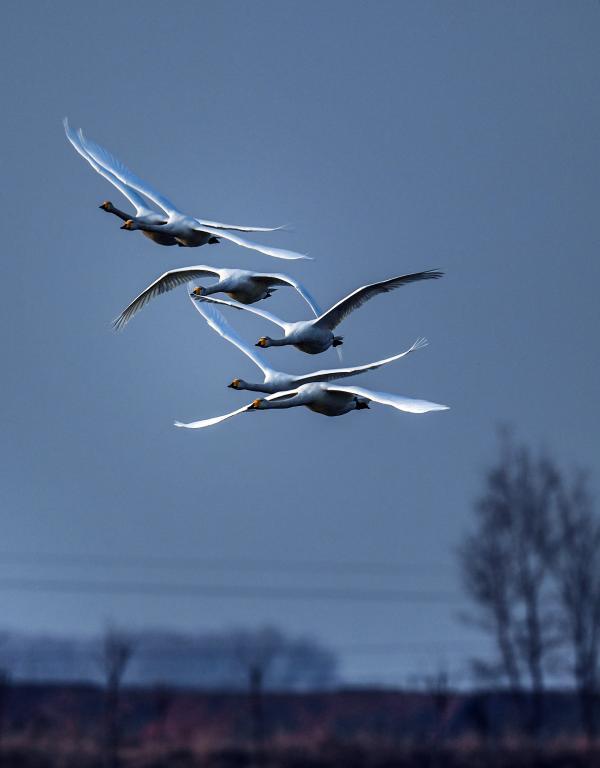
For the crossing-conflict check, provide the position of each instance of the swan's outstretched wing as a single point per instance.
(407, 404)
(279, 279)
(334, 316)
(238, 227)
(218, 323)
(166, 282)
(136, 200)
(214, 420)
(254, 310)
(243, 409)
(276, 253)
(341, 373)
(122, 172)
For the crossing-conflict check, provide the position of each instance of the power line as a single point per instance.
(240, 564)
(330, 594)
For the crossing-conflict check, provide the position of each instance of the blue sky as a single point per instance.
(395, 136)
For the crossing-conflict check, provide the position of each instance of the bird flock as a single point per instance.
(166, 225)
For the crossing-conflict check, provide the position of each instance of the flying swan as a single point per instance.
(327, 399)
(242, 285)
(315, 336)
(276, 381)
(183, 229)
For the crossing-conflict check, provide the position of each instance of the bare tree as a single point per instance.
(577, 573)
(506, 565)
(256, 652)
(115, 654)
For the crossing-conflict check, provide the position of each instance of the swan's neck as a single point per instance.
(278, 342)
(289, 402)
(210, 289)
(121, 214)
(255, 387)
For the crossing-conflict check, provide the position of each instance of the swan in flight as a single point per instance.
(327, 399)
(243, 286)
(315, 336)
(276, 381)
(183, 229)
(143, 212)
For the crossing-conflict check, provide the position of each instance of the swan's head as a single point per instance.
(237, 384)
(198, 291)
(263, 342)
(256, 405)
(361, 404)
(107, 206)
(129, 224)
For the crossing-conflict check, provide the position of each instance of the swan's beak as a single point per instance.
(197, 291)
(262, 342)
(255, 405)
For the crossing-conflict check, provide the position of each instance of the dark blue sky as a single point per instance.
(396, 136)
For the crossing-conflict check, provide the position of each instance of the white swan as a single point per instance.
(327, 399)
(243, 286)
(186, 230)
(315, 336)
(276, 381)
(143, 212)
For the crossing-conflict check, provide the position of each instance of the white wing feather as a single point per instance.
(209, 422)
(254, 310)
(278, 279)
(122, 172)
(238, 227)
(407, 404)
(166, 282)
(136, 200)
(218, 323)
(216, 419)
(276, 253)
(340, 373)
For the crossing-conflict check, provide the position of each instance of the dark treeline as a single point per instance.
(213, 660)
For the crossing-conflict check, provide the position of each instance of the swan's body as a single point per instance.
(277, 381)
(326, 399)
(173, 224)
(242, 285)
(315, 336)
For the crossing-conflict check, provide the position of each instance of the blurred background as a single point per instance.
(394, 137)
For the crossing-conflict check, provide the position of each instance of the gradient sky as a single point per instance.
(395, 136)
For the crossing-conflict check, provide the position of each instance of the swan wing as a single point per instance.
(218, 323)
(238, 227)
(334, 316)
(166, 282)
(341, 373)
(215, 420)
(136, 200)
(254, 310)
(279, 279)
(276, 253)
(122, 172)
(407, 404)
